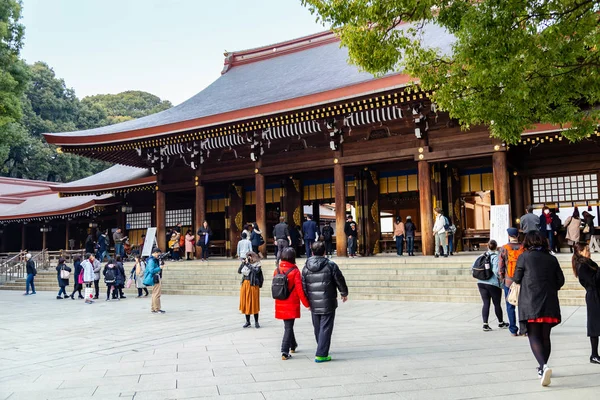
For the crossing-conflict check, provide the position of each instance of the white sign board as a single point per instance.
(149, 242)
(499, 223)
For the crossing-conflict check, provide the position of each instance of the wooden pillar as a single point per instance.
(526, 192)
(200, 211)
(501, 179)
(426, 207)
(341, 244)
(372, 229)
(291, 202)
(23, 238)
(235, 217)
(261, 209)
(67, 235)
(160, 209)
(44, 240)
(518, 202)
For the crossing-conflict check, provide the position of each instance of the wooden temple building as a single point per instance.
(291, 125)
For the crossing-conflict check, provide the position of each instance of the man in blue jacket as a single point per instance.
(311, 232)
(152, 277)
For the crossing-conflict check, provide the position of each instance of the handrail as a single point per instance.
(13, 268)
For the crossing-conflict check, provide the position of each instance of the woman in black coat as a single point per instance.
(540, 277)
(120, 279)
(77, 287)
(62, 283)
(589, 276)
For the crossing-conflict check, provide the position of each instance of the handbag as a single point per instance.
(586, 229)
(89, 293)
(129, 282)
(64, 274)
(513, 294)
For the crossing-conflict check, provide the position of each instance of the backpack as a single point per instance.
(80, 278)
(327, 234)
(279, 287)
(479, 269)
(109, 275)
(512, 255)
(446, 224)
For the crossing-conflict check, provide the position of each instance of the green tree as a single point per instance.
(127, 105)
(48, 105)
(514, 63)
(13, 74)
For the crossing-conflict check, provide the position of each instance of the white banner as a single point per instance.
(149, 242)
(499, 223)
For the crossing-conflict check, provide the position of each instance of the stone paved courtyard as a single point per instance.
(64, 349)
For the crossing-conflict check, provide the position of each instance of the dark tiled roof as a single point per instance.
(284, 77)
(114, 174)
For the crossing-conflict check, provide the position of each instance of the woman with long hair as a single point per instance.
(573, 228)
(589, 276)
(289, 309)
(540, 277)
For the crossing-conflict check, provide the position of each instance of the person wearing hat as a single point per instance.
(409, 229)
(153, 277)
(507, 264)
(31, 273)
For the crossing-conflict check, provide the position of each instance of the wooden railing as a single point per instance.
(12, 268)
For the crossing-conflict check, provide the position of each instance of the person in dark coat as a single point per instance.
(321, 281)
(90, 244)
(548, 227)
(540, 277)
(409, 228)
(256, 238)
(31, 273)
(588, 222)
(62, 283)
(204, 237)
(589, 276)
(77, 286)
(120, 282)
(327, 233)
(289, 309)
(296, 239)
(311, 231)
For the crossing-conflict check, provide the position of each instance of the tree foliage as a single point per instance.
(127, 105)
(48, 105)
(515, 63)
(13, 75)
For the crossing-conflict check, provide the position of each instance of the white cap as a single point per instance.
(408, 217)
(28, 256)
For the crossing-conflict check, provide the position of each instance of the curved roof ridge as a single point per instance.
(283, 42)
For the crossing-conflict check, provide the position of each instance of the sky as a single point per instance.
(170, 48)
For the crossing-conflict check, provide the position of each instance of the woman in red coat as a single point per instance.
(289, 309)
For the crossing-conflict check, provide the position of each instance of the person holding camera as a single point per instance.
(153, 277)
(252, 281)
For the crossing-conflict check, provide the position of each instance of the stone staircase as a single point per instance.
(423, 279)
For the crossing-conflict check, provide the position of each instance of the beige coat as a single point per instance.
(572, 225)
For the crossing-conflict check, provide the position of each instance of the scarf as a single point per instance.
(548, 219)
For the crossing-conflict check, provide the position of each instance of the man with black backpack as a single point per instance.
(321, 280)
(507, 264)
(327, 233)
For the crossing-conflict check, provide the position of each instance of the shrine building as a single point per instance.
(290, 129)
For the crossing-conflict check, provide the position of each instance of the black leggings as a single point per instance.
(539, 340)
(493, 293)
(140, 291)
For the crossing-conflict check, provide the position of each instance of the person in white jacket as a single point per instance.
(439, 232)
(89, 265)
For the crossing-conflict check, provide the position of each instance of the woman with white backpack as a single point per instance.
(62, 274)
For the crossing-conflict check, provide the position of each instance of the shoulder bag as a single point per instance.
(64, 274)
(513, 294)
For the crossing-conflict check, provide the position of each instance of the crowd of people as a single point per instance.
(530, 269)
(548, 224)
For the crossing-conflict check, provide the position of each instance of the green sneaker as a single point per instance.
(322, 359)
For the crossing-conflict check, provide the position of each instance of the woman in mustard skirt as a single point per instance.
(252, 281)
